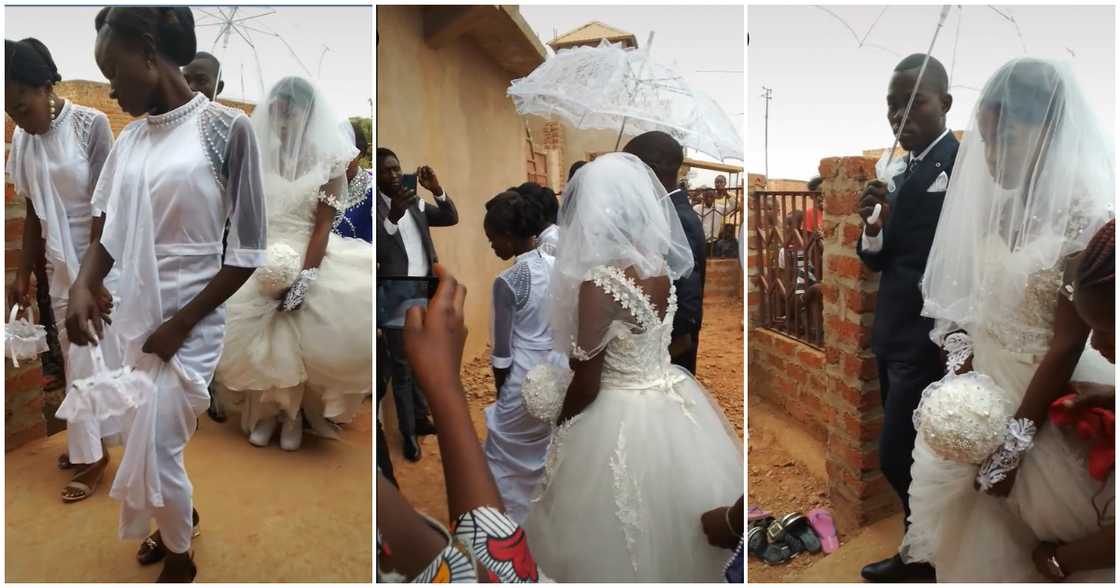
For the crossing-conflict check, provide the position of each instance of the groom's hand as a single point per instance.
(874, 193)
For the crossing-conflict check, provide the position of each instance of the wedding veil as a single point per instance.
(301, 143)
(615, 213)
(1032, 183)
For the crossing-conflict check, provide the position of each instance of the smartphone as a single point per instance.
(397, 294)
(408, 182)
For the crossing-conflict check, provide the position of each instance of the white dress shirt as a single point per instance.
(410, 235)
(875, 244)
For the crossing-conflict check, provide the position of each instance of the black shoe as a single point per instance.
(424, 426)
(893, 569)
(412, 449)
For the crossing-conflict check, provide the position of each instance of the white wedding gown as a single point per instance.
(627, 480)
(318, 357)
(970, 536)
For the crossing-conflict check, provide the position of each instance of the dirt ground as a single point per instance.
(786, 473)
(720, 365)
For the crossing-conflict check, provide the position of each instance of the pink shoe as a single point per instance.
(821, 522)
(756, 514)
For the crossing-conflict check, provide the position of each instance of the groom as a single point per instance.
(896, 244)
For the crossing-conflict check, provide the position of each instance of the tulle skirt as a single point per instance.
(625, 485)
(970, 536)
(318, 358)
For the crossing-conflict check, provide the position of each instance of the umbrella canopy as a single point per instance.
(609, 87)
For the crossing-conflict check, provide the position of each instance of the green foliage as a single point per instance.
(366, 124)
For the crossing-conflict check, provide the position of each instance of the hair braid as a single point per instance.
(1098, 262)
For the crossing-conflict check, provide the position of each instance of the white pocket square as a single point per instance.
(940, 184)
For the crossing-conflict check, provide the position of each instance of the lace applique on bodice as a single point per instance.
(1027, 327)
(633, 359)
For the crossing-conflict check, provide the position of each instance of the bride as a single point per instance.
(1033, 183)
(299, 337)
(640, 450)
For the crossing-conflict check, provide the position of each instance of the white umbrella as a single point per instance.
(610, 87)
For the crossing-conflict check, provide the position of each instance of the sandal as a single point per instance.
(152, 550)
(756, 514)
(821, 522)
(795, 530)
(83, 490)
(64, 462)
(756, 542)
(193, 571)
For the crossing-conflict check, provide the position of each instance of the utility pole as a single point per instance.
(767, 96)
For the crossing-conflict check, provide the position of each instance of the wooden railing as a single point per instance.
(789, 254)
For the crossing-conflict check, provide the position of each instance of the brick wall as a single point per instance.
(834, 391)
(23, 386)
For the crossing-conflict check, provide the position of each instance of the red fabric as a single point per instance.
(1096, 424)
(514, 549)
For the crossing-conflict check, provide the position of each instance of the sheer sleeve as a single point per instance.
(336, 194)
(244, 188)
(98, 147)
(610, 304)
(501, 326)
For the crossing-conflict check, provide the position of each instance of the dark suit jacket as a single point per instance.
(899, 331)
(690, 289)
(392, 260)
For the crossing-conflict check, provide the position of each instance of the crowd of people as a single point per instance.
(996, 258)
(202, 249)
(594, 333)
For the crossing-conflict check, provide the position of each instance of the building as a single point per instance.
(591, 34)
(442, 76)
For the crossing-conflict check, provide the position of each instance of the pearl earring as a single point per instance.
(50, 103)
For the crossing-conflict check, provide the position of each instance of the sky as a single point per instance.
(344, 71)
(829, 95)
(693, 40)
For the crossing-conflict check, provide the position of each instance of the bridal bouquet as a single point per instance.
(544, 389)
(281, 268)
(964, 418)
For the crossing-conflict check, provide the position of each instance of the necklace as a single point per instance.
(51, 104)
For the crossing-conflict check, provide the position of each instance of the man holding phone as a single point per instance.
(405, 250)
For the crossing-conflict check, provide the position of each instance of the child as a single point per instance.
(521, 338)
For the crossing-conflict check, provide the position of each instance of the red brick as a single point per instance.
(842, 202)
(13, 229)
(26, 378)
(14, 439)
(10, 192)
(861, 169)
(852, 234)
(844, 331)
(830, 294)
(860, 301)
(871, 429)
(9, 128)
(811, 358)
(863, 368)
(845, 266)
(828, 167)
(833, 356)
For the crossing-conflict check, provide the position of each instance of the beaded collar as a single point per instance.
(62, 114)
(177, 115)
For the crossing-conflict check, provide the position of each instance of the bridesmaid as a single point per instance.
(169, 186)
(58, 149)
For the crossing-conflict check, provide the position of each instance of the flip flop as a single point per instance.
(756, 514)
(794, 530)
(84, 490)
(821, 522)
(756, 542)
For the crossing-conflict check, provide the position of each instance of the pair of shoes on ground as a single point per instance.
(778, 540)
(291, 432)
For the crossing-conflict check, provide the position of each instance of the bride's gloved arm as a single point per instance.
(595, 316)
(1052, 377)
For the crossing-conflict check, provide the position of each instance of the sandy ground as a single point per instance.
(786, 473)
(720, 365)
(267, 515)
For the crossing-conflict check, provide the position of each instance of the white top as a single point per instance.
(875, 244)
(410, 234)
(57, 172)
(712, 218)
(520, 318)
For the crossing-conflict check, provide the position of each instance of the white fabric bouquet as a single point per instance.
(24, 339)
(106, 394)
(544, 389)
(281, 268)
(964, 418)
